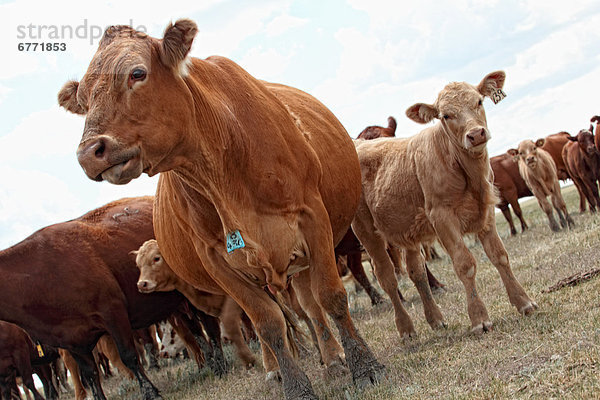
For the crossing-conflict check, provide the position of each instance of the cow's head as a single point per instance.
(527, 152)
(459, 107)
(585, 141)
(155, 273)
(137, 105)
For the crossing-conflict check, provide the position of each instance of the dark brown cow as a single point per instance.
(375, 131)
(85, 286)
(582, 160)
(511, 187)
(17, 352)
(250, 191)
(554, 145)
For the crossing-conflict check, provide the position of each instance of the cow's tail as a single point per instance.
(392, 124)
(295, 334)
(595, 118)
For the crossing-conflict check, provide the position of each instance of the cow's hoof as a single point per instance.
(483, 327)
(438, 325)
(336, 369)
(374, 374)
(273, 378)
(529, 308)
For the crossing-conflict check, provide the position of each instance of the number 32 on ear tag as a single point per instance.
(498, 95)
(234, 241)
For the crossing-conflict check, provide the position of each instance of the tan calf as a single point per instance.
(157, 276)
(539, 172)
(437, 183)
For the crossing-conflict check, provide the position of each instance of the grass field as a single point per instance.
(553, 354)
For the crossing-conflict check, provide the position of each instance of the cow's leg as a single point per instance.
(561, 207)
(447, 227)
(71, 365)
(494, 249)
(231, 318)
(357, 269)
(329, 347)
(415, 266)
(268, 319)
(109, 348)
(517, 209)
(328, 289)
(592, 188)
(375, 245)
(88, 372)
(122, 334)
(545, 205)
(508, 216)
(29, 383)
(295, 303)
(587, 192)
(211, 325)
(150, 346)
(582, 201)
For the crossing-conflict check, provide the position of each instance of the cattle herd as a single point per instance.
(261, 193)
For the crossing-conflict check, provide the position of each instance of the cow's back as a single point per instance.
(554, 145)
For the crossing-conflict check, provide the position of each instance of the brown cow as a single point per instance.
(539, 172)
(436, 183)
(583, 162)
(85, 286)
(511, 187)
(596, 119)
(554, 145)
(156, 275)
(375, 131)
(16, 354)
(250, 191)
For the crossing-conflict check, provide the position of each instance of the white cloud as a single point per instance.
(42, 134)
(283, 23)
(30, 200)
(267, 64)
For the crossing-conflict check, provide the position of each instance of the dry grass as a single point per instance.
(553, 354)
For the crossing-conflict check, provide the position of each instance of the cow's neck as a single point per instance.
(474, 166)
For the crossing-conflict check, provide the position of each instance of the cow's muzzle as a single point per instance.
(145, 286)
(103, 158)
(476, 137)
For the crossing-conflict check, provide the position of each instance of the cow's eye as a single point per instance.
(480, 103)
(156, 259)
(446, 117)
(137, 74)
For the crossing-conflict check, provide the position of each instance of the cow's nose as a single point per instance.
(530, 159)
(93, 156)
(142, 285)
(477, 137)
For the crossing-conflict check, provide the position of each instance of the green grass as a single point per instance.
(553, 354)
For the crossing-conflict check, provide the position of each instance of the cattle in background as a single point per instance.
(596, 119)
(539, 172)
(375, 131)
(249, 192)
(17, 354)
(71, 307)
(436, 183)
(554, 145)
(583, 161)
(511, 187)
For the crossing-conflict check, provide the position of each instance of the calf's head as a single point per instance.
(585, 140)
(137, 105)
(459, 107)
(527, 152)
(155, 274)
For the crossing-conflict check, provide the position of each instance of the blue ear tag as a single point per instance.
(234, 241)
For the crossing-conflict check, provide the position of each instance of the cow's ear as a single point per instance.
(540, 142)
(513, 152)
(177, 42)
(67, 98)
(595, 118)
(572, 138)
(491, 82)
(592, 129)
(422, 113)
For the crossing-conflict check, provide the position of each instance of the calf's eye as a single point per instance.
(156, 259)
(138, 74)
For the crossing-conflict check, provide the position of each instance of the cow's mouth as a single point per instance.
(122, 173)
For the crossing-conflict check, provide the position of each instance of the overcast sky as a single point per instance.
(364, 59)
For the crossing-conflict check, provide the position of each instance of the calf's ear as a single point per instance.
(513, 152)
(591, 128)
(67, 98)
(491, 82)
(177, 42)
(572, 138)
(540, 142)
(422, 113)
